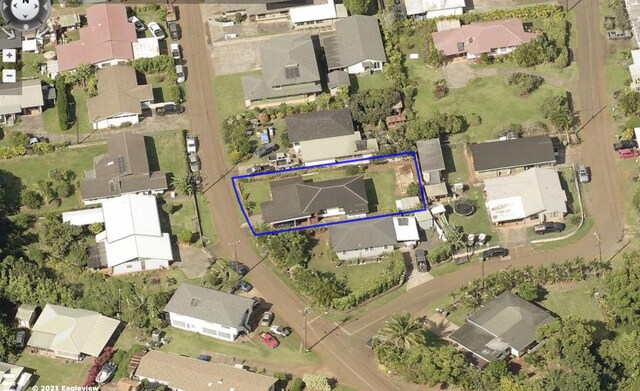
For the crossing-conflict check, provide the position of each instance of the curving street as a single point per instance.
(342, 347)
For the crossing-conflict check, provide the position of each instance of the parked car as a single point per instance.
(269, 340)
(628, 153)
(259, 168)
(174, 30)
(156, 30)
(137, 23)
(106, 373)
(180, 76)
(267, 318)
(280, 331)
(244, 286)
(583, 174)
(238, 267)
(548, 227)
(265, 150)
(625, 144)
(174, 48)
(495, 252)
(33, 141)
(194, 162)
(421, 260)
(169, 109)
(192, 144)
(204, 357)
(20, 338)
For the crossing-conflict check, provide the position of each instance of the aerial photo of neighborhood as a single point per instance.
(346, 195)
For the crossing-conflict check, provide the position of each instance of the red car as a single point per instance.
(269, 340)
(628, 153)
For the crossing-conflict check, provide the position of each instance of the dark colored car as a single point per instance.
(169, 109)
(495, 252)
(548, 227)
(265, 150)
(174, 30)
(239, 267)
(204, 357)
(244, 286)
(421, 260)
(625, 144)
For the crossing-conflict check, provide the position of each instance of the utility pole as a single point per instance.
(599, 245)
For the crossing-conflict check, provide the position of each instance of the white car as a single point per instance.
(156, 30)
(280, 331)
(192, 144)
(174, 48)
(583, 174)
(180, 78)
(137, 23)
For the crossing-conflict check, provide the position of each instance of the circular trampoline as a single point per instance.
(464, 208)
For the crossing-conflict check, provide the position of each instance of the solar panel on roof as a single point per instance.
(122, 167)
(403, 221)
(291, 71)
(195, 302)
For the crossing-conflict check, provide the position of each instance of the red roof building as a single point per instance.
(107, 38)
(472, 40)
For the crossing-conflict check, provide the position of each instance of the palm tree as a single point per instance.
(83, 73)
(46, 190)
(403, 331)
(182, 184)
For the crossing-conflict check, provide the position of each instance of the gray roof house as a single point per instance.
(356, 46)
(123, 169)
(432, 167)
(293, 200)
(372, 238)
(337, 79)
(506, 157)
(289, 72)
(26, 315)
(326, 136)
(502, 326)
(209, 312)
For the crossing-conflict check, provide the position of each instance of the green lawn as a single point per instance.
(448, 267)
(30, 67)
(368, 82)
(477, 222)
(192, 344)
(206, 221)
(184, 217)
(50, 116)
(574, 298)
(161, 87)
(167, 152)
(257, 191)
(456, 164)
(228, 94)
(52, 371)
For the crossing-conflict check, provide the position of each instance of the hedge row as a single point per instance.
(391, 276)
(37, 149)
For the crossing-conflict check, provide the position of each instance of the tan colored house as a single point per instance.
(492, 38)
(71, 333)
(120, 99)
(25, 98)
(26, 315)
(185, 373)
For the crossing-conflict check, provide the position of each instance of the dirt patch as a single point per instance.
(404, 177)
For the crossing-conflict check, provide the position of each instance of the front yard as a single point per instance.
(55, 372)
(82, 124)
(227, 91)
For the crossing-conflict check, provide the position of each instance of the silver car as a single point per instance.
(583, 174)
(180, 78)
(194, 162)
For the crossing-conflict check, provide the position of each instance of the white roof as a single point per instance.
(634, 68)
(30, 45)
(415, 7)
(71, 330)
(312, 13)
(407, 203)
(83, 217)
(132, 230)
(27, 94)
(9, 375)
(406, 228)
(528, 193)
(146, 48)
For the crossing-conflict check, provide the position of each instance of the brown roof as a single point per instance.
(395, 119)
(108, 36)
(118, 92)
(123, 169)
(185, 373)
(478, 38)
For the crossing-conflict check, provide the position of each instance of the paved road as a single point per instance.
(342, 347)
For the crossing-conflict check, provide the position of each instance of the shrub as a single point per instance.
(321, 287)
(473, 119)
(357, 6)
(96, 228)
(31, 199)
(440, 89)
(264, 117)
(17, 139)
(296, 385)
(316, 382)
(64, 190)
(525, 83)
(158, 64)
(354, 170)
(440, 253)
(413, 190)
(62, 102)
(185, 236)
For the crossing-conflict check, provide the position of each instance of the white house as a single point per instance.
(209, 312)
(356, 46)
(132, 240)
(634, 70)
(431, 9)
(373, 238)
(317, 13)
(13, 377)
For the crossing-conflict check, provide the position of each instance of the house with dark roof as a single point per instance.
(327, 136)
(124, 169)
(120, 99)
(506, 157)
(502, 327)
(294, 201)
(367, 239)
(356, 46)
(209, 312)
(336, 80)
(289, 72)
(493, 38)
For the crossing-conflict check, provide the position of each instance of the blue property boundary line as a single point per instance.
(299, 228)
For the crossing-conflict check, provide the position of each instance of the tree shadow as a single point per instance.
(449, 163)
(152, 153)
(372, 196)
(12, 186)
(571, 202)
(158, 95)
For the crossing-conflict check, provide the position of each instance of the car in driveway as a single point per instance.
(137, 23)
(260, 168)
(583, 174)
(265, 150)
(21, 337)
(548, 227)
(180, 76)
(267, 318)
(204, 357)
(174, 48)
(169, 109)
(625, 144)
(156, 30)
(194, 162)
(244, 286)
(192, 144)
(495, 252)
(239, 267)
(280, 331)
(33, 141)
(174, 30)
(628, 153)
(268, 340)
(421, 260)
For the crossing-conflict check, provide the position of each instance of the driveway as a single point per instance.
(237, 55)
(512, 236)
(193, 261)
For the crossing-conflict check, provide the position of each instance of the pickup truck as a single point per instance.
(619, 34)
(625, 144)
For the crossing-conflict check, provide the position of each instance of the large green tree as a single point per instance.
(357, 6)
(403, 331)
(622, 291)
